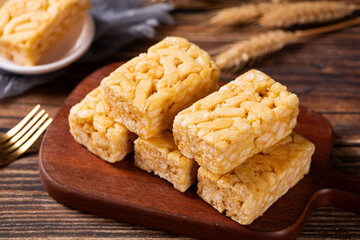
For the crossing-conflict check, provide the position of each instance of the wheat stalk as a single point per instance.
(245, 14)
(297, 13)
(201, 4)
(282, 15)
(244, 52)
(285, 1)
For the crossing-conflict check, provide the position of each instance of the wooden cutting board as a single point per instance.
(77, 178)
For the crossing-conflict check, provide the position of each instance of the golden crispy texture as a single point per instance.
(92, 125)
(29, 28)
(244, 117)
(161, 156)
(250, 189)
(148, 91)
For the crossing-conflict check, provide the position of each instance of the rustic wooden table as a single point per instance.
(324, 72)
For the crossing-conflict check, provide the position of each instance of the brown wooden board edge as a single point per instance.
(134, 215)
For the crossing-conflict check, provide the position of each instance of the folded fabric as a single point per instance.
(116, 23)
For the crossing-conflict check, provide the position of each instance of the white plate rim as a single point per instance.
(84, 41)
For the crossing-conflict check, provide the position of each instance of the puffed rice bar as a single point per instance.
(249, 190)
(244, 117)
(161, 156)
(92, 125)
(29, 28)
(148, 91)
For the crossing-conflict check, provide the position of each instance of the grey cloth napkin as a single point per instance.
(117, 22)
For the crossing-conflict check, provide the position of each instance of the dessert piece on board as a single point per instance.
(245, 117)
(29, 28)
(249, 190)
(92, 125)
(161, 156)
(149, 90)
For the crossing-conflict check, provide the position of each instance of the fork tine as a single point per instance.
(29, 142)
(26, 136)
(22, 131)
(18, 126)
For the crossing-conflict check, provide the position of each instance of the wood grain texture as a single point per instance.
(324, 72)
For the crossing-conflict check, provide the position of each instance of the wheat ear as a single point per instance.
(257, 47)
(241, 53)
(287, 1)
(290, 14)
(247, 13)
(244, 14)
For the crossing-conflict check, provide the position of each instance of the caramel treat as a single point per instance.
(148, 91)
(29, 28)
(92, 125)
(161, 156)
(245, 117)
(249, 190)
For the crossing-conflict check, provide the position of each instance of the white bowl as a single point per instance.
(70, 48)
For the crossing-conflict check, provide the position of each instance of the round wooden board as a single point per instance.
(77, 178)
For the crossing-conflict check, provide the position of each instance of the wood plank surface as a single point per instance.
(324, 72)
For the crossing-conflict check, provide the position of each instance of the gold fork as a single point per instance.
(20, 138)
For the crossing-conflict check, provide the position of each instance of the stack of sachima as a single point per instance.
(240, 136)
